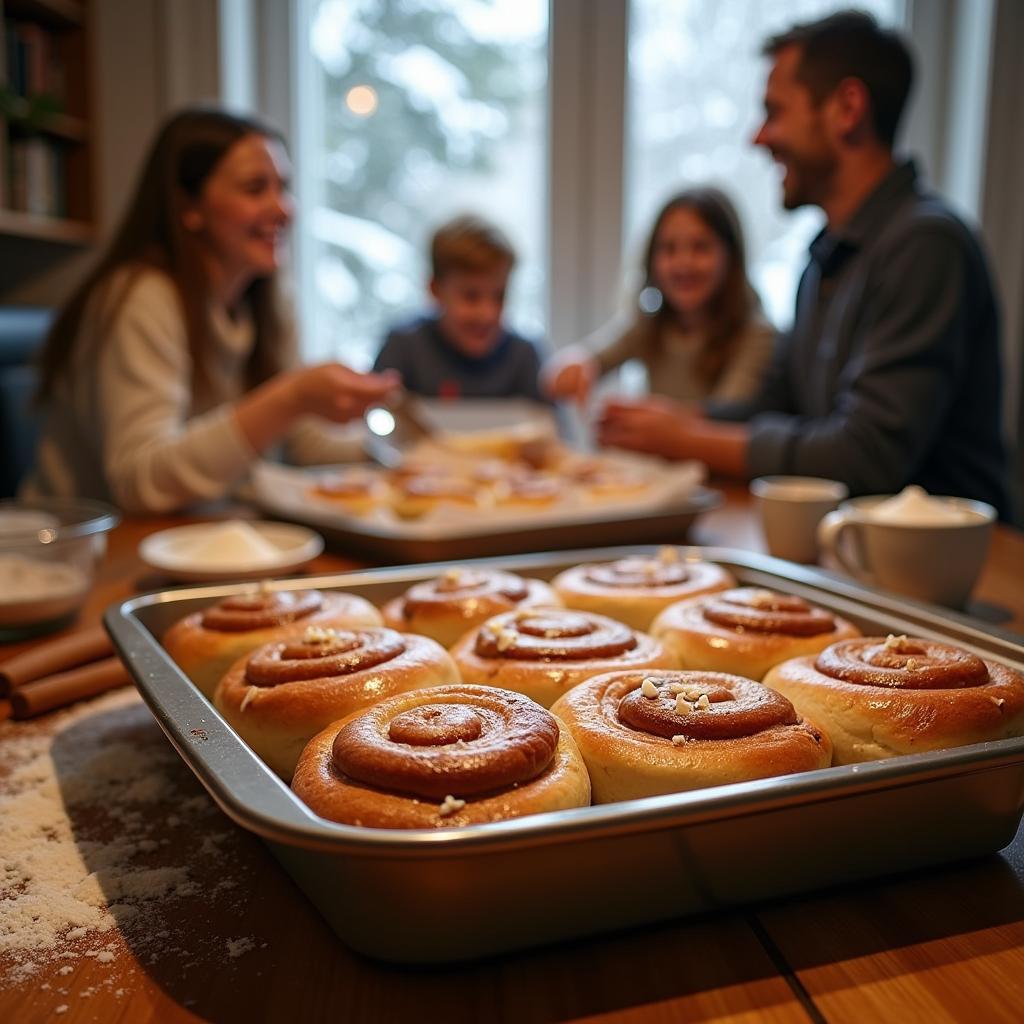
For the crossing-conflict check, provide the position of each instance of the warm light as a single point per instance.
(361, 100)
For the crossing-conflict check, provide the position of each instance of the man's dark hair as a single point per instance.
(851, 44)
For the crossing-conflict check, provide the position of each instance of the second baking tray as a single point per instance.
(453, 894)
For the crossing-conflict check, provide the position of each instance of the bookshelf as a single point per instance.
(46, 188)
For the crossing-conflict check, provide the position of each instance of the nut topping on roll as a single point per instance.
(446, 607)
(542, 652)
(885, 696)
(441, 757)
(766, 611)
(321, 653)
(902, 663)
(746, 630)
(636, 745)
(554, 635)
(635, 589)
(260, 609)
(463, 585)
(493, 742)
(639, 572)
(727, 707)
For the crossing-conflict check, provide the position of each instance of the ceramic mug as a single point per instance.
(791, 508)
(937, 562)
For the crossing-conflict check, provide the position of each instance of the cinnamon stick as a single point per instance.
(83, 646)
(55, 691)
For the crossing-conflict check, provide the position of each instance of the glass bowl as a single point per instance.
(49, 550)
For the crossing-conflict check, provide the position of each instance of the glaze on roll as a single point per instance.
(885, 696)
(446, 607)
(285, 692)
(648, 733)
(440, 757)
(206, 643)
(635, 589)
(747, 630)
(543, 652)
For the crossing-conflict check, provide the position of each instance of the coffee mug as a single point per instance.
(791, 508)
(937, 562)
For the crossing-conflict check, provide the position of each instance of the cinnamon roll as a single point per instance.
(529, 490)
(543, 652)
(634, 589)
(648, 733)
(205, 644)
(286, 692)
(747, 630)
(446, 756)
(356, 491)
(882, 697)
(415, 496)
(446, 607)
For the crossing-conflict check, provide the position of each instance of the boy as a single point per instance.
(463, 350)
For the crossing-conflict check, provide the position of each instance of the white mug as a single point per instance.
(938, 563)
(791, 508)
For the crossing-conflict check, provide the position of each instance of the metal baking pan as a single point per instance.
(389, 545)
(454, 894)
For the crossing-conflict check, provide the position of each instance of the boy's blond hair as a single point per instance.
(469, 243)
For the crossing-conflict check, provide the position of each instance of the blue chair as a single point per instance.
(22, 330)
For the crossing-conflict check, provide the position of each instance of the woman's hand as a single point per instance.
(335, 392)
(571, 377)
(329, 390)
(654, 425)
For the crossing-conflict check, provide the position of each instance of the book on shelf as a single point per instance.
(34, 67)
(37, 180)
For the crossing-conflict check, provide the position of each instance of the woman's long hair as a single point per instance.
(735, 303)
(151, 236)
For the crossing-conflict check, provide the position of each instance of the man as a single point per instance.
(890, 374)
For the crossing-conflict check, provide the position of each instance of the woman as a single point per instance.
(698, 326)
(173, 366)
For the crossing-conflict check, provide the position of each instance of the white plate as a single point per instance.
(167, 551)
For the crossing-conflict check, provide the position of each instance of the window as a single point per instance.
(696, 82)
(413, 111)
(408, 111)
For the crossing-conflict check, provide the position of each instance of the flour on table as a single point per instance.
(84, 869)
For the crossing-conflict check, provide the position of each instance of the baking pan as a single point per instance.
(453, 894)
(391, 543)
(390, 547)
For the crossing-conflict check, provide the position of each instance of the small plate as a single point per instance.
(171, 552)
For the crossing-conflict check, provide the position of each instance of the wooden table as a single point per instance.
(241, 943)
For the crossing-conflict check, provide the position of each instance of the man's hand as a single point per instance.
(654, 425)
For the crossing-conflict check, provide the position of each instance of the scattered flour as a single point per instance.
(237, 947)
(87, 797)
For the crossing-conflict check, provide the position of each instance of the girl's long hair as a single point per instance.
(151, 236)
(734, 305)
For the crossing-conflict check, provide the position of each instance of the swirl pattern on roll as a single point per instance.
(644, 733)
(321, 653)
(703, 706)
(244, 612)
(639, 572)
(485, 742)
(459, 586)
(553, 634)
(904, 663)
(767, 611)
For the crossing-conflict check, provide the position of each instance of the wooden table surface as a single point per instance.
(239, 942)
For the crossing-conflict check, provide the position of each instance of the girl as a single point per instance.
(173, 365)
(698, 326)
